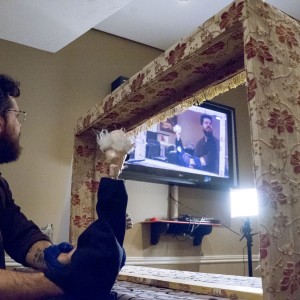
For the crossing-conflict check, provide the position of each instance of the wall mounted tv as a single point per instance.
(176, 151)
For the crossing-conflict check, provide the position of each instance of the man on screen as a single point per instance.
(206, 155)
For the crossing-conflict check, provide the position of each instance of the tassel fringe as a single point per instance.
(206, 94)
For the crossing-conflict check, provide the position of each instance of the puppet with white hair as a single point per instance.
(116, 145)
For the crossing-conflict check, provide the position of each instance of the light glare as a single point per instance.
(243, 203)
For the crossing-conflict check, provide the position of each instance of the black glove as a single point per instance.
(94, 265)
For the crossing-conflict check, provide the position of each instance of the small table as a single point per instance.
(197, 230)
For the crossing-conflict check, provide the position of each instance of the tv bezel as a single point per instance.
(172, 177)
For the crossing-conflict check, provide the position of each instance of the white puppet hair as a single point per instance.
(177, 129)
(116, 140)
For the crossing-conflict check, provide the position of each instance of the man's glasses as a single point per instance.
(20, 115)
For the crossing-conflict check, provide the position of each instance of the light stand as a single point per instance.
(246, 231)
(244, 204)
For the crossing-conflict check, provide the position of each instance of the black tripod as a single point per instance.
(246, 231)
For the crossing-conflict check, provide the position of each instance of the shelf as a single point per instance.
(197, 230)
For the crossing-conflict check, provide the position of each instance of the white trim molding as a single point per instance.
(178, 260)
(170, 260)
(10, 263)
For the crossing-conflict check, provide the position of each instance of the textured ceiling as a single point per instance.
(52, 25)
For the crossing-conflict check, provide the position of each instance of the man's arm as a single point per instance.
(35, 255)
(22, 285)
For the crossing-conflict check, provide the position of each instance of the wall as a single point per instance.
(56, 90)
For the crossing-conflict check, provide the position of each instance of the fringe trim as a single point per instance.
(206, 94)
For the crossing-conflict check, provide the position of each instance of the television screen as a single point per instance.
(196, 148)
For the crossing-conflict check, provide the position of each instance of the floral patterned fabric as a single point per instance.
(272, 60)
(216, 285)
(134, 291)
(247, 36)
(178, 74)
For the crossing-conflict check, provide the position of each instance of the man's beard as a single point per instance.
(208, 133)
(10, 149)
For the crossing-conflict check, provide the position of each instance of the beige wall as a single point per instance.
(56, 90)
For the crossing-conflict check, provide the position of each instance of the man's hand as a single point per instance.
(203, 162)
(177, 130)
(129, 223)
(65, 258)
(56, 256)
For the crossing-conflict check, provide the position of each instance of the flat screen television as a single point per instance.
(173, 152)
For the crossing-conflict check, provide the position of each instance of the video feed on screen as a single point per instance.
(195, 141)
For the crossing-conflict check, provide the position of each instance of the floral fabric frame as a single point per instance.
(247, 41)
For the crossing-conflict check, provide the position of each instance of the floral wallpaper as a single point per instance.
(247, 37)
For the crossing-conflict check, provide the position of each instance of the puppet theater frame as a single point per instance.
(248, 42)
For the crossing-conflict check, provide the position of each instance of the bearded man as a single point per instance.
(19, 237)
(87, 271)
(207, 150)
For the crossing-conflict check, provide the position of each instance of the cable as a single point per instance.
(198, 212)
(244, 262)
(181, 240)
(230, 229)
(178, 202)
(243, 230)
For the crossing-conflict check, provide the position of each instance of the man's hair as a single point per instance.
(8, 88)
(205, 116)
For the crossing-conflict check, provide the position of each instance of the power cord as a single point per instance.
(198, 212)
(242, 230)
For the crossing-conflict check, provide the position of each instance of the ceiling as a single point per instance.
(52, 25)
